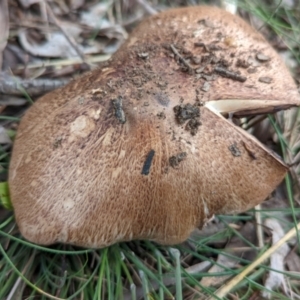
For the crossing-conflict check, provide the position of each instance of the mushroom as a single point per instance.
(138, 149)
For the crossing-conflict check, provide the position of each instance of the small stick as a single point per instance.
(15, 86)
(223, 291)
(259, 230)
(229, 74)
(175, 51)
(65, 62)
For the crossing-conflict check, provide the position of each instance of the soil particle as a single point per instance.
(262, 57)
(139, 94)
(119, 112)
(206, 59)
(147, 163)
(186, 112)
(206, 23)
(161, 115)
(230, 74)
(57, 142)
(111, 86)
(137, 82)
(205, 87)
(208, 48)
(98, 94)
(209, 77)
(200, 70)
(230, 42)
(143, 55)
(192, 126)
(224, 63)
(162, 84)
(267, 80)
(215, 59)
(196, 60)
(242, 63)
(252, 70)
(98, 91)
(235, 151)
(162, 99)
(176, 159)
(81, 100)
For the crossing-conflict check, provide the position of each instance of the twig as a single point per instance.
(66, 62)
(17, 86)
(230, 74)
(223, 291)
(175, 51)
(259, 231)
(70, 39)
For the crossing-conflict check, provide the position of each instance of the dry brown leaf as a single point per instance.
(227, 262)
(4, 27)
(4, 138)
(275, 277)
(223, 262)
(95, 18)
(293, 262)
(75, 4)
(28, 3)
(57, 44)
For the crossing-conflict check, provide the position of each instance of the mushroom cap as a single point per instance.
(138, 149)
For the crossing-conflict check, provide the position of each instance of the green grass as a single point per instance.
(142, 269)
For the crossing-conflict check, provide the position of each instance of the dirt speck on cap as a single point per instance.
(176, 159)
(161, 115)
(252, 70)
(119, 112)
(242, 63)
(235, 151)
(262, 57)
(205, 87)
(186, 112)
(143, 55)
(230, 74)
(190, 113)
(266, 79)
(192, 126)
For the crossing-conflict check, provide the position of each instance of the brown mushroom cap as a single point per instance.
(139, 149)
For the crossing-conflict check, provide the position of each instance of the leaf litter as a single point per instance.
(276, 276)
